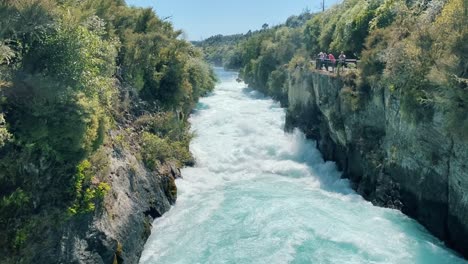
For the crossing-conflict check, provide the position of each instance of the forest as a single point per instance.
(416, 48)
(75, 77)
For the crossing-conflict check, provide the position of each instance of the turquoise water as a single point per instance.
(260, 195)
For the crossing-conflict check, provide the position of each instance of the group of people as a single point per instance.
(324, 60)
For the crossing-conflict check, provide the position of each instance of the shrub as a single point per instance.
(5, 136)
(351, 98)
(157, 150)
(17, 199)
(64, 90)
(165, 124)
(201, 77)
(277, 85)
(88, 191)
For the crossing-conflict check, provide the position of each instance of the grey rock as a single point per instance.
(120, 226)
(418, 168)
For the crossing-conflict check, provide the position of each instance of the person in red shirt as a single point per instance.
(331, 58)
(332, 61)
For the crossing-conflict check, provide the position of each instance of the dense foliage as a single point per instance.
(227, 50)
(415, 49)
(70, 70)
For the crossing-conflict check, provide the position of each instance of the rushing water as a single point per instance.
(260, 195)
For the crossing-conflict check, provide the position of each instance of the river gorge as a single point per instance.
(258, 194)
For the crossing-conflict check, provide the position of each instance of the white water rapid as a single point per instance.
(260, 195)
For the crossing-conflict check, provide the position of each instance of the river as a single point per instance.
(260, 195)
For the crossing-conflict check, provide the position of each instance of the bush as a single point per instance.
(88, 192)
(64, 90)
(201, 78)
(5, 136)
(165, 124)
(17, 199)
(277, 85)
(351, 98)
(157, 150)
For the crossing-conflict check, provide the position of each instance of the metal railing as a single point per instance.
(335, 65)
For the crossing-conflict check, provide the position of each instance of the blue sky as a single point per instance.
(204, 18)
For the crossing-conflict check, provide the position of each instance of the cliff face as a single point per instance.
(118, 232)
(118, 229)
(415, 167)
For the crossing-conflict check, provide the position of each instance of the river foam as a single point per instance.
(260, 195)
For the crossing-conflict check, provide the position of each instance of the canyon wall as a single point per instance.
(118, 231)
(416, 167)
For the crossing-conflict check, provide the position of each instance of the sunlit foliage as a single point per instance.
(66, 69)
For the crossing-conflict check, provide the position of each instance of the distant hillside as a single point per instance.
(221, 50)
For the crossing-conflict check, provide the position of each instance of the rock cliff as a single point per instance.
(416, 167)
(118, 229)
(118, 232)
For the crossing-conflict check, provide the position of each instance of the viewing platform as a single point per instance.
(334, 67)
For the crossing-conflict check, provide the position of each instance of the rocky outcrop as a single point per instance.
(416, 167)
(115, 229)
(118, 229)
(117, 233)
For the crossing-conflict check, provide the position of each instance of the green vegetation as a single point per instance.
(166, 137)
(69, 72)
(221, 50)
(157, 150)
(417, 50)
(4, 135)
(87, 191)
